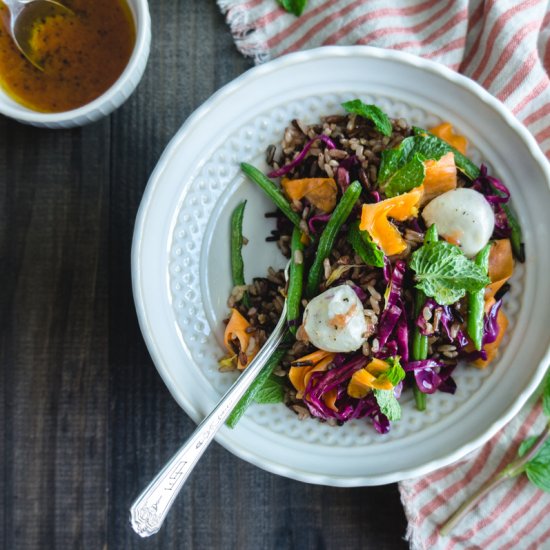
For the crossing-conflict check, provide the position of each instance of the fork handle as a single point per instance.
(151, 507)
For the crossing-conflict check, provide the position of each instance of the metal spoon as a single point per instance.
(151, 507)
(23, 16)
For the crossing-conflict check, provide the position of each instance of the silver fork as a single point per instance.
(150, 509)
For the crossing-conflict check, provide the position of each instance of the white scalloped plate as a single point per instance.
(180, 260)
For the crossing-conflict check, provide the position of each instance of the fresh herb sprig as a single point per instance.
(295, 7)
(406, 178)
(533, 460)
(262, 389)
(388, 403)
(364, 246)
(444, 273)
(424, 146)
(273, 391)
(373, 113)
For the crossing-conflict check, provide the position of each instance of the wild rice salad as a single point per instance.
(400, 250)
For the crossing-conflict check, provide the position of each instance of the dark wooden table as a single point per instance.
(86, 420)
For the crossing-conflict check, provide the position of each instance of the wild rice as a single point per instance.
(327, 268)
(373, 292)
(446, 348)
(374, 304)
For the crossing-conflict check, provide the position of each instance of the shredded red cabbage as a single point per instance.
(398, 390)
(349, 408)
(424, 364)
(473, 355)
(388, 321)
(321, 383)
(349, 162)
(319, 218)
(402, 335)
(387, 270)
(361, 294)
(375, 196)
(394, 304)
(342, 178)
(389, 350)
(414, 225)
(432, 375)
(396, 283)
(448, 384)
(490, 324)
(496, 194)
(284, 170)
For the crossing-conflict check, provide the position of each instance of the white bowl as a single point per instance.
(105, 104)
(181, 275)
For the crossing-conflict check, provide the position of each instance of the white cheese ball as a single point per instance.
(335, 320)
(463, 217)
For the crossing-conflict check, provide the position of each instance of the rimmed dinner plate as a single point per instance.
(181, 275)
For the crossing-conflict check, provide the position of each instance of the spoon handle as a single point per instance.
(151, 507)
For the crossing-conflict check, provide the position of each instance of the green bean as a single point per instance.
(250, 395)
(476, 302)
(419, 398)
(431, 235)
(273, 192)
(328, 236)
(516, 238)
(420, 342)
(237, 264)
(295, 279)
(419, 348)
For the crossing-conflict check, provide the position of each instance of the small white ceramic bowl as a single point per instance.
(105, 104)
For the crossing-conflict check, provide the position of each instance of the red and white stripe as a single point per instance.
(505, 46)
(514, 515)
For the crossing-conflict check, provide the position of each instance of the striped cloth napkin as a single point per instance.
(504, 45)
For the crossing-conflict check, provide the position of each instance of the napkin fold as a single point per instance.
(505, 46)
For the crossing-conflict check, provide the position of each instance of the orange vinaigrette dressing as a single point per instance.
(82, 55)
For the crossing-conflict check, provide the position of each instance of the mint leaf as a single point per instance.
(389, 406)
(546, 395)
(526, 444)
(426, 146)
(538, 468)
(390, 162)
(256, 387)
(407, 177)
(394, 159)
(395, 373)
(373, 113)
(295, 7)
(463, 163)
(444, 273)
(364, 246)
(272, 391)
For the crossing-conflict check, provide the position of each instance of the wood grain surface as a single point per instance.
(86, 420)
